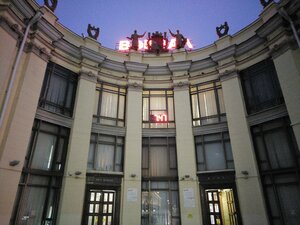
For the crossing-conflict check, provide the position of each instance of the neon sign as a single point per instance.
(158, 118)
(124, 45)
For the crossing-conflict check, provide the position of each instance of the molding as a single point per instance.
(210, 129)
(224, 53)
(113, 65)
(267, 115)
(136, 67)
(268, 27)
(39, 51)
(279, 49)
(54, 118)
(23, 8)
(92, 55)
(249, 44)
(88, 76)
(158, 132)
(158, 70)
(68, 48)
(13, 29)
(202, 64)
(45, 27)
(227, 75)
(109, 130)
(181, 83)
(180, 66)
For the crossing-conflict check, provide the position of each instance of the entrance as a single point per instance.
(100, 207)
(221, 207)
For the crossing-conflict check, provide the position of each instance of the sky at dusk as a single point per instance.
(117, 19)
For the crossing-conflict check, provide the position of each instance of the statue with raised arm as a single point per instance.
(180, 39)
(135, 40)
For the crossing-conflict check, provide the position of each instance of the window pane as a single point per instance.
(121, 107)
(91, 156)
(145, 109)
(96, 102)
(158, 103)
(109, 105)
(214, 156)
(170, 109)
(104, 157)
(208, 105)
(221, 101)
(195, 107)
(44, 152)
(119, 156)
(158, 161)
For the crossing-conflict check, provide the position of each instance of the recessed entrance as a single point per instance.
(221, 207)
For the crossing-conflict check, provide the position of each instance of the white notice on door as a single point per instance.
(132, 195)
(188, 198)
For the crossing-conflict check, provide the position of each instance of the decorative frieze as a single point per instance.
(39, 51)
(88, 75)
(229, 74)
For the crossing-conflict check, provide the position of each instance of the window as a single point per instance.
(214, 152)
(207, 103)
(158, 109)
(58, 91)
(160, 203)
(159, 157)
(279, 163)
(40, 183)
(106, 153)
(160, 200)
(261, 87)
(110, 105)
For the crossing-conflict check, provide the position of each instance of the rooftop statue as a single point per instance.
(157, 42)
(222, 30)
(180, 39)
(92, 29)
(265, 3)
(51, 6)
(135, 40)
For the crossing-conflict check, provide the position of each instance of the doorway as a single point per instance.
(220, 207)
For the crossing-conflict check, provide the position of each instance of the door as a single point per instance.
(100, 207)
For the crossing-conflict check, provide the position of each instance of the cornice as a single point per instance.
(249, 44)
(135, 83)
(22, 9)
(109, 130)
(158, 70)
(271, 25)
(224, 53)
(39, 51)
(11, 28)
(114, 65)
(181, 83)
(180, 66)
(210, 129)
(278, 49)
(229, 74)
(202, 64)
(49, 30)
(68, 48)
(136, 67)
(92, 55)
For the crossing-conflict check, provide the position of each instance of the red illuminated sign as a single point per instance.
(158, 118)
(124, 45)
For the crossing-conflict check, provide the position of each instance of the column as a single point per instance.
(188, 184)
(288, 70)
(131, 202)
(17, 127)
(249, 188)
(73, 191)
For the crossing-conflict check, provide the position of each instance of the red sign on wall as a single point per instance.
(158, 118)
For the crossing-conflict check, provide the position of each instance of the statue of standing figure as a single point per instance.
(180, 39)
(135, 40)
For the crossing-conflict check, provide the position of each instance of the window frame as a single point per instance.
(216, 85)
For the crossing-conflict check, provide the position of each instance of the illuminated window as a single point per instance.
(40, 183)
(158, 109)
(207, 103)
(106, 153)
(261, 87)
(110, 105)
(214, 152)
(58, 91)
(279, 163)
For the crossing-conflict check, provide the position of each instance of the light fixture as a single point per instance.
(14, 162)
(133, 175)
(245, 173)
(77, 173)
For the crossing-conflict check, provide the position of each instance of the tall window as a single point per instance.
(58, 91)
(160, 200)
(261, 86)
(214, 152)
(279, 163)
(158, 109)
(40, 184)
(110, 105)
(207, 103)
(106, 153)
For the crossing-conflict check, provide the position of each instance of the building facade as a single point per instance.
(93, 136)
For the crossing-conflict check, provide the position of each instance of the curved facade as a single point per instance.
(90, 135)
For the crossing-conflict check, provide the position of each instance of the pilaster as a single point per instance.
(249, 189)
(131, 207)
(190, 213)
(75, 171)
